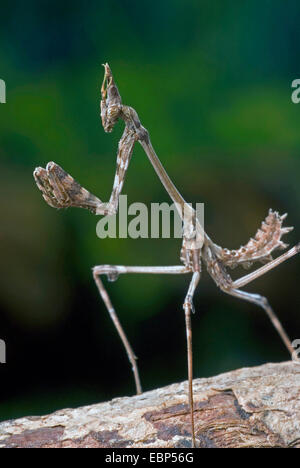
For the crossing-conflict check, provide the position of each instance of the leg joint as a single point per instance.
(109, 270)
(188, 305)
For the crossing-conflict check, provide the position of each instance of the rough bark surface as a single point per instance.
(251, 407)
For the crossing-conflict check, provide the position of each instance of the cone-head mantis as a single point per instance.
(60, 190)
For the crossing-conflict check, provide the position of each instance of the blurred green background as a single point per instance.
(212, 83)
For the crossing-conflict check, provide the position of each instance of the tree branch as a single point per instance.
(251, 407)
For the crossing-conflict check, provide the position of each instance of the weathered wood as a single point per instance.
(251, 407)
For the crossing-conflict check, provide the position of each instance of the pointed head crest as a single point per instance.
(111, 104)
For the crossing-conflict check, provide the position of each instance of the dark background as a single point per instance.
(212, 83)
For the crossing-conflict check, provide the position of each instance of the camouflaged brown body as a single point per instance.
(190, 258)
(214, 265)
(266, 240)
(60, 190)
(216, 268)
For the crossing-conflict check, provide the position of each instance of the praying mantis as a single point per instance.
(60, 190)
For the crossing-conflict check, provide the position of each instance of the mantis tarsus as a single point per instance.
(60, 190)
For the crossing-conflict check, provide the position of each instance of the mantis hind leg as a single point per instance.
(264, 304)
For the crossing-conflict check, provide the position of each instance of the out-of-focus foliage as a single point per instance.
(212, 83)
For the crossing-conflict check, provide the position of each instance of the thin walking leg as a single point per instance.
(188, 307)
(263, 302)
(264, 269)
(112, 272)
